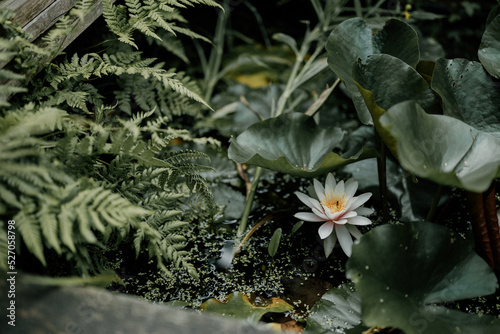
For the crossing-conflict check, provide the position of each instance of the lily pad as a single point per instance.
(402, 271)
(337, 310)
(384, 81)
(468, 93)
(489, 49)
(442, 148)
(292, 143)
(354, 39)
(239, 306)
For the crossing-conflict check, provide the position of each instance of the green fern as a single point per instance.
(83, 178)
(93, 65)
(147, 16)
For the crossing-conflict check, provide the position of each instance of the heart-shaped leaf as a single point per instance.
(468, 93)
(338, 309)
(384, 81)
(489, 49)
(402, 271)
(442, 148)
(354, 39)
(238, 306)
(292, 143)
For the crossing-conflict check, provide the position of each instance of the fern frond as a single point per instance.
(180, 157)
(116, 19)
(29, 229)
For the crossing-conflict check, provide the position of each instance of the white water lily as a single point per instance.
(336, 206)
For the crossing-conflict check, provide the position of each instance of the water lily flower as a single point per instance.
(336, 206)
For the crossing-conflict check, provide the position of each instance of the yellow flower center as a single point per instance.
(335, 203)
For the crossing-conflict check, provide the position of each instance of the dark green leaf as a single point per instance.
(296, 227)
(489, 49)
(274, 243)
(353, 39)
(468, 93)
(233, 201)
(292, 143)
(338, 309)
(384, 81)
(441, 148)
(402, 271)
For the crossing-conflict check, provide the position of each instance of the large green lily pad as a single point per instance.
(384, 81)
(354, 39)
(338, 309)
(489, 49)
(292, 143)
(402, 271)
(468, 93)
(442, 148)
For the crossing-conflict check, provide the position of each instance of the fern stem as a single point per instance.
(249, 201)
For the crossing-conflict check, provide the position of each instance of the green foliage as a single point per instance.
(444, 268)
(293, 143)
(147, 16)
(354, 40)
(82, 178)
(337, 310)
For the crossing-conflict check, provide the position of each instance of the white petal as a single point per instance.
(354, 231)
(329, 213)
(362, 211)
(329, 243)
(345, 239)
(341, 221)
(309, 217)
(330, 183)
(349, 214)
(350, 188)
(326, 229)
(310, 202)
(359, 220)
(360, 200)
(339, 188)
(321, 213)
(337, 215)
(320, 191)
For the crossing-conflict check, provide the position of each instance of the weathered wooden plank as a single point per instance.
(48, 17)
(78, 25)
(40, 309)
(26, 10)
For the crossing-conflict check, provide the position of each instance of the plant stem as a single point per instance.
(435, 202)
(288, 89)
(479, 227)
(252, 231)
(313, 109)
(490, 213)
(382, 176)
(358, 8)
(249, 201)
(211, 73)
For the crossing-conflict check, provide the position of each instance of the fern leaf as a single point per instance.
(29, 230)
(49, 226)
